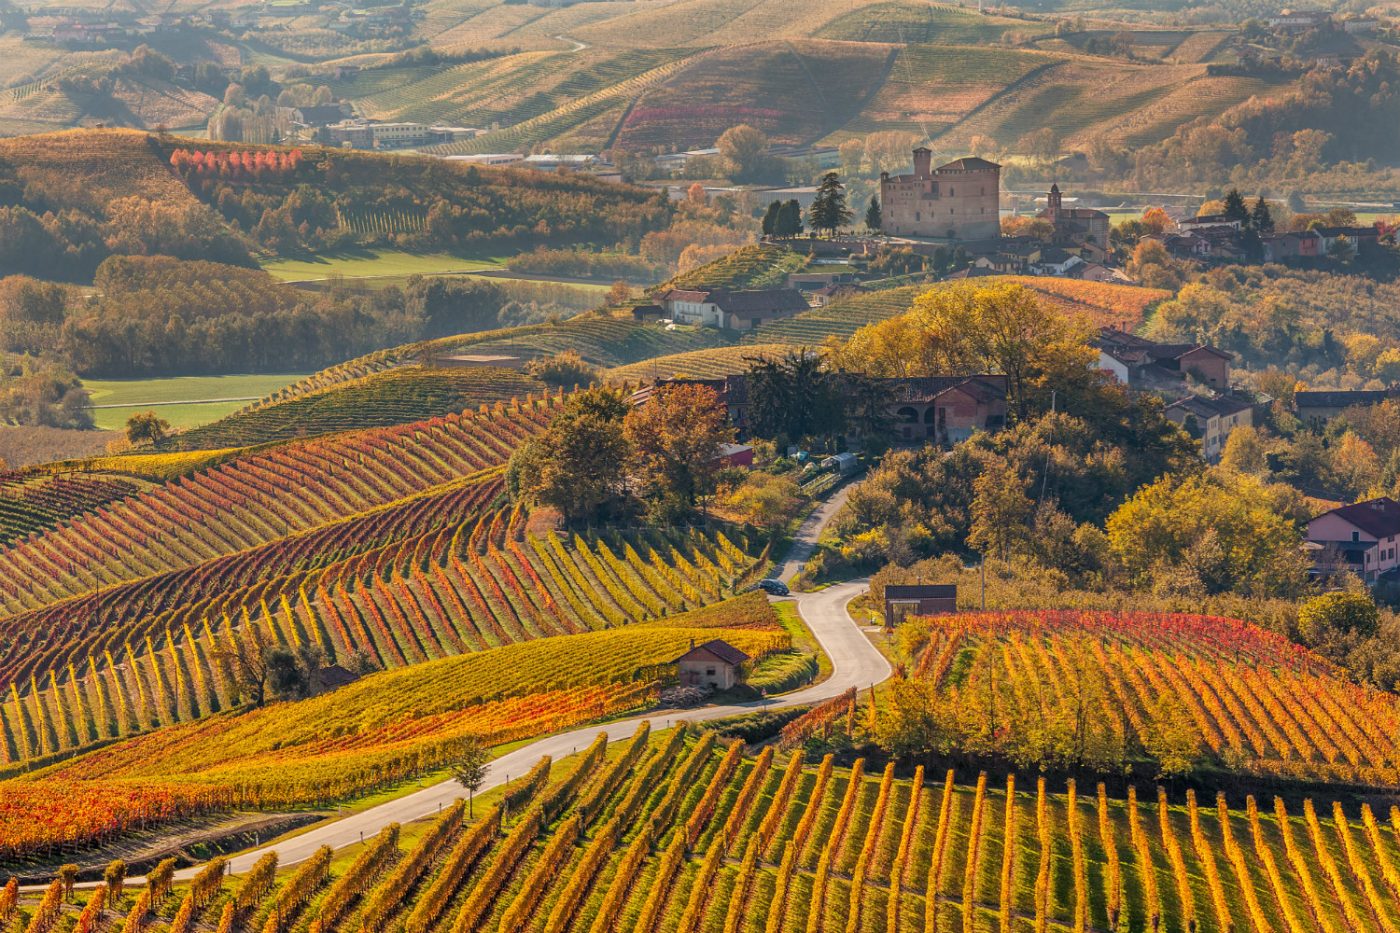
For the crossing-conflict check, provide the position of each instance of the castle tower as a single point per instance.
(923, 163)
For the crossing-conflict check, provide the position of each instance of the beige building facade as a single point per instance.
(957, 201)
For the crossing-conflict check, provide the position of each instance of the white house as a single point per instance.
(731, 310)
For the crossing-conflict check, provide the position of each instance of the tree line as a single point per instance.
(158, 316)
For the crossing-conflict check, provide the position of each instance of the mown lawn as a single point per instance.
(184, 401)
(376, 263)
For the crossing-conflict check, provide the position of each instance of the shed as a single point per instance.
(334, 676)
(716, 664)
(919, 599)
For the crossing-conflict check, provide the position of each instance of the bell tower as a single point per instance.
(1053, 203)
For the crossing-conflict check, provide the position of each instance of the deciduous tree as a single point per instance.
(676, 440)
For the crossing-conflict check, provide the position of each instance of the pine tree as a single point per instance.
(1235, 208)
(1261, 219)
(829, 211)
(873, 218)
(770, 218)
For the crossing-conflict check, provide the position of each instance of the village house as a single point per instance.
(1141, 363)
(1359, 537)
(942, 409)
(731, 310)
(948, 409)
(918, 599)
(1316, 407)
(957, 201)
(716, 664)
(1210, 419)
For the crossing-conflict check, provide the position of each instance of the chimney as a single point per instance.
(923, 161)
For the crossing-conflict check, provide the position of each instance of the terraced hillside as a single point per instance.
(395, 396)
(795, 91)
(371, 734)
(599, 340)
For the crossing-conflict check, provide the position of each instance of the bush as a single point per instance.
(1337, 614)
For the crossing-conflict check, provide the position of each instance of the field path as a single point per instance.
(855, 663)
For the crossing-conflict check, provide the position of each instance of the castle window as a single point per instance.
(951, 192)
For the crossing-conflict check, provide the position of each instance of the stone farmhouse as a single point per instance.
(957, 201)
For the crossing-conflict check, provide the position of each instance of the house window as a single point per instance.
(709, 672)
(1355, 536)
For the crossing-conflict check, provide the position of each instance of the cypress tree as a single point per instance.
(873, 218)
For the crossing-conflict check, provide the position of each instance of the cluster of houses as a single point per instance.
(1220, 238)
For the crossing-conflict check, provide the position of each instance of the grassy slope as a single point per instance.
(184, 401)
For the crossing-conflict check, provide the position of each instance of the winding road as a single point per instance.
(855, 663)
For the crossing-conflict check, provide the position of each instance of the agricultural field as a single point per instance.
(374, 264)
(932, 87)
(184, 401)
(396, 396)
(899, 23)
(759, 266)
(381, 729)
(698, 364)
(678, 831)
(438, 574)
(1099, 304)
(794, 91)
(1252, 701)
(599, 339)
(30, 504)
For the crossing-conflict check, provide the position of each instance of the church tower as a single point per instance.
(1053, 205)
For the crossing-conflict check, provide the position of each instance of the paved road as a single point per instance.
(809, 531)
(855, 662)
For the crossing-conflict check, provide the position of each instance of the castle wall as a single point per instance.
(956, 203)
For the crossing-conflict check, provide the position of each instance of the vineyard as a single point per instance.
(698, 364)
(396, 396)
(1251, 701)
(1099, 304)
(747, 267)
(438, 575)
(600, 340)
(34, 504)
(677, 832)
(374, 733)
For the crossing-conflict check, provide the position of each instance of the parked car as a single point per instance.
(771, 587)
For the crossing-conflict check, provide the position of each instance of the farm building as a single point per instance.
(731, 310)
(958, 201)
(919, 599)
(716, 664)
(1317, 407)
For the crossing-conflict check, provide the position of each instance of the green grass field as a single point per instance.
(184, 401)
(362, 264)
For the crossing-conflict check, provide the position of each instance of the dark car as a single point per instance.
(772, 587)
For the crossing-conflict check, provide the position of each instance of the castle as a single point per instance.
(959, 201)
